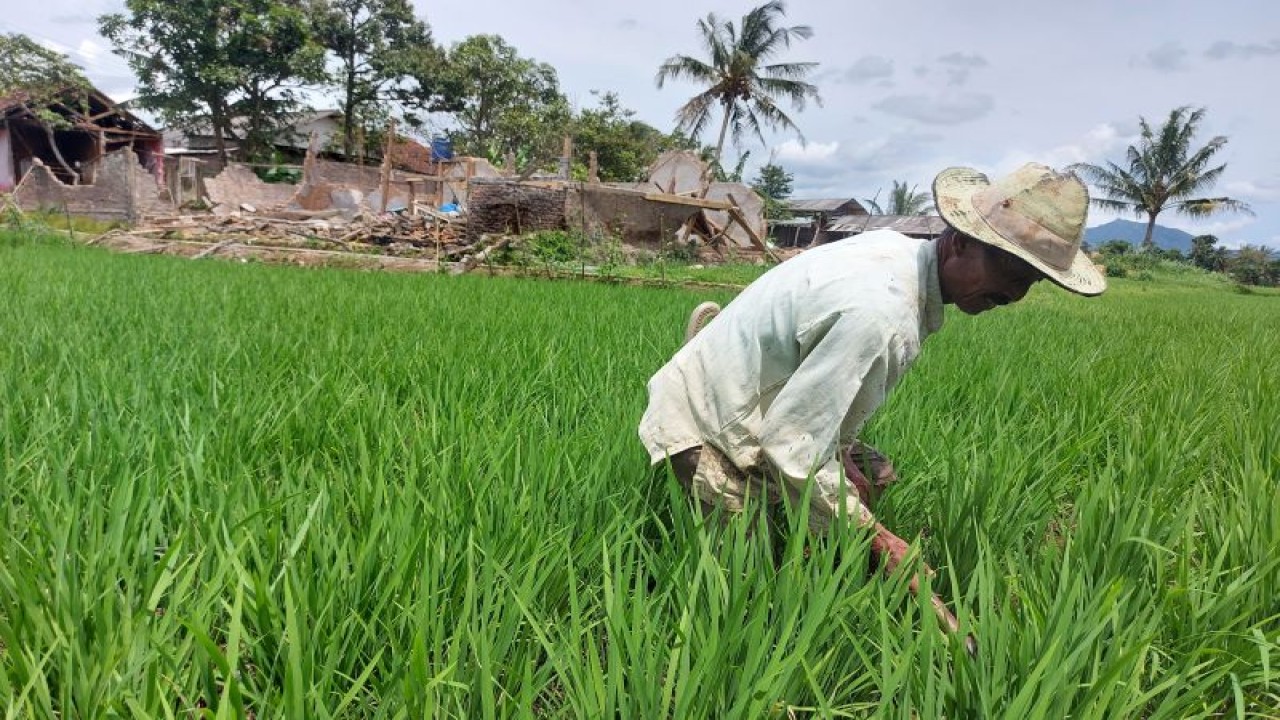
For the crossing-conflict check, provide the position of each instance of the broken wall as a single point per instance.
(503, 206)
(238, 185)
(751, 205)
(618, 212)
(361, 177)
(122, 190)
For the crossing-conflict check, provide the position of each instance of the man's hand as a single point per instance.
(889, 551)
(869, 471)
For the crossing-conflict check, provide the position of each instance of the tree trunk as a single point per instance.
(724, 127)
(217, 118)
(1147, 244)
(53, 145)
(349, 111)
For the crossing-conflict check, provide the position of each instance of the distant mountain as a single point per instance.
(1133, 232)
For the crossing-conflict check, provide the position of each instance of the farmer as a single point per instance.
(774, 389)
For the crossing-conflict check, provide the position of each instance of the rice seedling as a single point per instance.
(248, 491)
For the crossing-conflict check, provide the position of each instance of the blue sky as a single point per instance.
(908, 87)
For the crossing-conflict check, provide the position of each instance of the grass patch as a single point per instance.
(312, 493)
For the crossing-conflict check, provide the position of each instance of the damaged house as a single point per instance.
(97, 160)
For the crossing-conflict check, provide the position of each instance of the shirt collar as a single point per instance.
(931, 290)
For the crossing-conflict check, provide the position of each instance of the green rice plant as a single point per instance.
(239, 490)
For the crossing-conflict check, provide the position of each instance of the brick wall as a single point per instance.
(122, 190)
(503, 206)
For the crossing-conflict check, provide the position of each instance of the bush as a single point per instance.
(554, 245)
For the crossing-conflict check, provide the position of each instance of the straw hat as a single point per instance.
(1034, 213)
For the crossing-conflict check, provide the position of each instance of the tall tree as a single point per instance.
(624, 147)
(774, 184)
(507, 103)
(1254, 265)
(1205, 254)
(383, 54)
(903, 200)
(211, 60)
(39, 78)
(740, 81)
(773, 181)
(1163, 171)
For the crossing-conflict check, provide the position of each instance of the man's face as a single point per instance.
(977, 277)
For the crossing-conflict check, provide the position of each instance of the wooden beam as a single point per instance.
(741, 219)
(385, 171)
(690, 201)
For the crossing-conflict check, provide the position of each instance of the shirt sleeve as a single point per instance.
(843, 378)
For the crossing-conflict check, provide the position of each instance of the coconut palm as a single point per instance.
(903, 200)
(1163, 172)
(739, 79)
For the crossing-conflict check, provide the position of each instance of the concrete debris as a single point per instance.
(238, 186)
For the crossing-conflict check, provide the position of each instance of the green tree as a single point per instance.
(1253, 265)
(1115, 247)
(383, 55)
(774, 184)
(739, 79)
(1163, 171)
(213, 60)
(1205, 255)
(507, 103)
(38, 78)
(773, 181)
(624, 147)
(903, 200)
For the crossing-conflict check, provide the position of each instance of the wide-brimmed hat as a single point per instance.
(1035, 213)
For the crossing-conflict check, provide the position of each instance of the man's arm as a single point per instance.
(843, 377)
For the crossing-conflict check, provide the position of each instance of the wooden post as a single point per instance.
(509, 165)
(413, 198)
(438, 196)
(593, 169)
(566, 160)
(385, 173)
(736, 215)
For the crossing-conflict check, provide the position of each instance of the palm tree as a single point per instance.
(1163, 172)
(903, 200)
(737, 78)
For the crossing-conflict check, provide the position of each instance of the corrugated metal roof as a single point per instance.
(905, 224)
(822, 205)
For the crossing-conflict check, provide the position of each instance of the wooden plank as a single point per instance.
(385, 171)
(739, 218)
(690, 201)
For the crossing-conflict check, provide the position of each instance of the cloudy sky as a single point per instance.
(908, 87)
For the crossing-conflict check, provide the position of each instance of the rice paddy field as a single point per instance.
(234, 490)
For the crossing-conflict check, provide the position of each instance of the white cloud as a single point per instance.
(1218, 227)
(959, 65)
(89, 50)
(54, 46)
(944, 109)
(807, 154)
(1169, 57)
(1224, 49)
(867, 68)
(1265, 190)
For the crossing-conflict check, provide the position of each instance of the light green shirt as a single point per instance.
(791, 369)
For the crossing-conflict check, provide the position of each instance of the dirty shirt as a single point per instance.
(790, 370)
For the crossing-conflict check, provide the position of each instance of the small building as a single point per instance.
(925, 227)
(830, 207)
(810, 220)
(93, 127)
